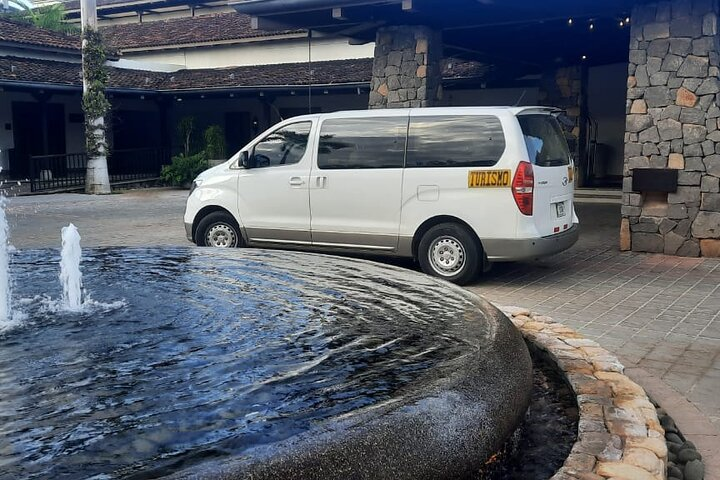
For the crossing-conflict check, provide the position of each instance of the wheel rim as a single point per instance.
(447, 256)
(221, 236)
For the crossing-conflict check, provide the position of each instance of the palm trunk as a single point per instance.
(97, 180)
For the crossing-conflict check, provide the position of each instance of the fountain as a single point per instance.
(252, 363)
(6, 316)
(70, 276)
(248, 364)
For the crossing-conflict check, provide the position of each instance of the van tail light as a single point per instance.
(522, 187)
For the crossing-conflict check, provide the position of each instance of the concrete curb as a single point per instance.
(619, 435)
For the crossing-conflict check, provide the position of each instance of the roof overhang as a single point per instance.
(531, 32)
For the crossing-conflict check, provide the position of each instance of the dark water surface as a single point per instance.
(213, 352)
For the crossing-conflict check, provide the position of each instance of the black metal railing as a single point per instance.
(55, 172)
(67, 171)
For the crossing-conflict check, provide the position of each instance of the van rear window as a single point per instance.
(546, 144)
(455, 141)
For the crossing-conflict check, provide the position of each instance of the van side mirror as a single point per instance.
(244, 160)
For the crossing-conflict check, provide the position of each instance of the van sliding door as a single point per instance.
(356, 182)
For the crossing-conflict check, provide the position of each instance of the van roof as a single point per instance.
(389, 112)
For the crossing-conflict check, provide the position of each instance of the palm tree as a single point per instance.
(50, 17)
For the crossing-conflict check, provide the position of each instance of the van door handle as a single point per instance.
(296, 181)
(320, 182)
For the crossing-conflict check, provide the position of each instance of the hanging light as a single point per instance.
(622, 23)
(627, 19)
(592, 26)
(584, 57)
(570, 21)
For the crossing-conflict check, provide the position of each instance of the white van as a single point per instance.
(455, 188)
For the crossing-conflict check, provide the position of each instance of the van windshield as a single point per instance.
(544, 139)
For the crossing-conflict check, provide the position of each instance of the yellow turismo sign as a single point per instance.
(488, 178)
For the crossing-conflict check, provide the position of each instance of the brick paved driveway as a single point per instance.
(660, 313)
(657, 312)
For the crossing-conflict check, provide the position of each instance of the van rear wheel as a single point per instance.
(218, 229)
(450, 251)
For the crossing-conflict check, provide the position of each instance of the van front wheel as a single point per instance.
(450, 251)
(218, 229)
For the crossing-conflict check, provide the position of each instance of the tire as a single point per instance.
(451, 252)
(219, 230)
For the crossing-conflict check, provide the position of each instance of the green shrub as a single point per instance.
(184, 168)
(214, 142)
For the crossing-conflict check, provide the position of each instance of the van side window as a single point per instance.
(348, 143)
(455, 141)
(284, 146)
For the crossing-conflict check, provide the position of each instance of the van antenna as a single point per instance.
(522, 95)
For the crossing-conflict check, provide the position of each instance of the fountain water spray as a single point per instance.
(70, 275)
(6, 315)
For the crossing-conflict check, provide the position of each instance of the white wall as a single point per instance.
(70, 57)
(256, 53)
(160, 15)
(607, 87)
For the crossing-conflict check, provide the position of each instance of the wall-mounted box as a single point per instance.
(655, 180)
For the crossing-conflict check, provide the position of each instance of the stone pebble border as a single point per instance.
(619, 433)
(684, 461)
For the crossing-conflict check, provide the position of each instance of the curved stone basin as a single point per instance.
(253, 363)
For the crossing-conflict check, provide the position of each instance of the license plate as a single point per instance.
(560, 209)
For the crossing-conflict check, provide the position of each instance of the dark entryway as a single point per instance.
(38, 129)
(238, 131)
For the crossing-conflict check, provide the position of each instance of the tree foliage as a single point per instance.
(214, 142)
(50, 17)
(184, 169)
(95, 103)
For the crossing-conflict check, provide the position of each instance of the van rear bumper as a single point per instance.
(509, 250)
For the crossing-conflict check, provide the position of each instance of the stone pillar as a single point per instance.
(562, 88)
(672, 123)
(406, 69)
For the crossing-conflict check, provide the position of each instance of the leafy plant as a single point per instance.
(214, 142)
(184, 169)
(50, 17)
(95, 104)
(186, 130)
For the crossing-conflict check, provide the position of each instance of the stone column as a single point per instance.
(562, 88)
(672, 123)
(406, 69)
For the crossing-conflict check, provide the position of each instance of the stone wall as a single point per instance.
(562, 88)
(406, 69)
(672, 123)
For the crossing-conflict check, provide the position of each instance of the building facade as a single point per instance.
(638, 82)
(670, 152)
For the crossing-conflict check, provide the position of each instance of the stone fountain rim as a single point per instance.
(619, 434)
(319, 454)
